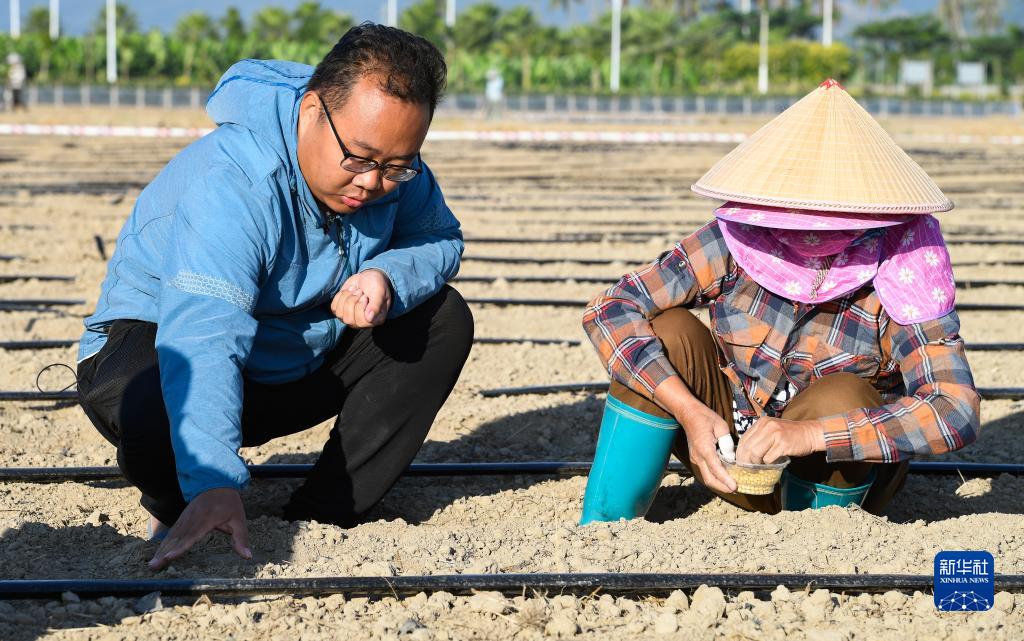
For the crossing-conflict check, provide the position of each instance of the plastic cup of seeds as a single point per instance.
(753, 478)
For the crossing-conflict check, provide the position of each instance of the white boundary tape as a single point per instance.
(101, 131)
(640, 137)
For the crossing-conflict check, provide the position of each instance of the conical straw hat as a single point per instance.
(824, 153)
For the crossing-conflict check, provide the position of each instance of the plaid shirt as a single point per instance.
(920, 370)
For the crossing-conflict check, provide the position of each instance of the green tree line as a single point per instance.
(668, 46)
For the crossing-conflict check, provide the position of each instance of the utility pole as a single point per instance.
(616, 44)
(15, 19)
(826, 23)
(762, 67)
(449, 14)
(392, 19)
(111, 41)
(54, 20)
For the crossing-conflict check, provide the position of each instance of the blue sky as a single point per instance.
(78, 15)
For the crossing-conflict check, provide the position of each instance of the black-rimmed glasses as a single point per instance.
(361, 165)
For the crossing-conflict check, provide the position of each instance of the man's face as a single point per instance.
(371, 124)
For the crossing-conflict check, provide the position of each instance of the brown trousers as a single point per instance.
(693, 352)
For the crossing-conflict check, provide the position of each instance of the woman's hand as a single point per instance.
(772, 438)
(703, 427)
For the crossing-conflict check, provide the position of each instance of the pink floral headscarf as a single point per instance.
(908, 264)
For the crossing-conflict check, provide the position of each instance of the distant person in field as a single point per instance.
(494, 93)
(833, 339)
(16, 78)
(285, 269)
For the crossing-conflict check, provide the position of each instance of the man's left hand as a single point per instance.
(364, 299)
(772, 438)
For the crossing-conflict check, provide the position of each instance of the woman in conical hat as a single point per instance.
(833, 341)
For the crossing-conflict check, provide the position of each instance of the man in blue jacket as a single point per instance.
(287, 268)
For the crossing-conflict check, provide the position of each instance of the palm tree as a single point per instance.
(194, 30)
(272, 24)
(315, 24)
(518, 29)
(988, 15)
(232, 24)
(685, 8)
(426, 19)
(951, 13)
(650, 35)
(38, 27)
(127, 21)
(568, 6)
(476, 31)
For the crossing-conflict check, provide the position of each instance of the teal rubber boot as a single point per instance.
(632, 452)
(798, 494)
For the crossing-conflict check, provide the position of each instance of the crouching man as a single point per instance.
(287, 268)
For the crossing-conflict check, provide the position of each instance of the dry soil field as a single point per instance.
(58, 194)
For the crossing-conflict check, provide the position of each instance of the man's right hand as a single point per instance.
(703, 428)
(217, 509)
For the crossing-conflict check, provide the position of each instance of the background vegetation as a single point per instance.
(669, 46)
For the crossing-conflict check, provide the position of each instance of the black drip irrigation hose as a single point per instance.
(600, 280)
(40, 344)
(554, 302)
(622, 584)
(995, 347)
(987, 393)
(513, 260)
(526, 341)
(534, 279)
(983, 241)
(101, 246)
(11, 278)
(988, 307)
(271, 471)
(37, 303)
(38, 396)
(645, 236)
(568, 342)
(517, 260)
(568, 238)
(6, 258)
(527, 302)
(48, 344)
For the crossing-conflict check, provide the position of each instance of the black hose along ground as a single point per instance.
(588, 238)
(543, 584)
(519, 260)
(43, 305)
(556, 302)
(480, 340)
(987, 393)
(420, 470)
(55, 344)
(600, 280)
(646, 236)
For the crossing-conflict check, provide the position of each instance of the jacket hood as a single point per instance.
(263, 96)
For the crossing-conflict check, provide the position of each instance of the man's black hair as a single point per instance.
(407, 67)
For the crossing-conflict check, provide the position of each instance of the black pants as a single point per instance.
(384, 384)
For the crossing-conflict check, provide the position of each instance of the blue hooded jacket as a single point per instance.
(227, 251)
